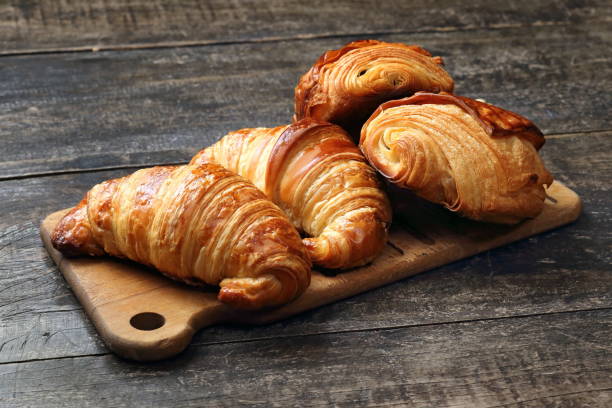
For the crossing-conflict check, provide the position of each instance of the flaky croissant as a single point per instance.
(345, 86)
(197, 224)
(316, 173)
(474, 158)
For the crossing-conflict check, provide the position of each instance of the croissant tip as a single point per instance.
(251, 293)
(236, 298)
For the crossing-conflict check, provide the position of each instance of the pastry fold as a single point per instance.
(346, 85)
(200, 224)
(472, 157)
(318, 176)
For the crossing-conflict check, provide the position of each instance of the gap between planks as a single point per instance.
(272, 39)
(587, 133)
(332, 332)
(511, 404)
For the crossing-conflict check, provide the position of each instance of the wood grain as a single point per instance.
(40, 318)
(48, 25)
(398, 345)
(71, 112)
(115, 293)
(558, 360)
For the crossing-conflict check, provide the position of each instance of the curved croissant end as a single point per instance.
(72, 236)
(472, 157)
(318, 176)
(197, 224)
(275, 288)
(350, 240)
(344, 86)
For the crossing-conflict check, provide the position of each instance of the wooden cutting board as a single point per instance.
(144, 316)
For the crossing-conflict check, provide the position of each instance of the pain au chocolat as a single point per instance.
(346, 85)
(319, 177)
(197, 224)
(474, 158)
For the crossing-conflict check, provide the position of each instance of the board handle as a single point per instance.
(140, 314)
(157, 324)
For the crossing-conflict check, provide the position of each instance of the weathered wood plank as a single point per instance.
(563, 270)
(554, 360)
(85, 111)
(112, 292)
(101, 24)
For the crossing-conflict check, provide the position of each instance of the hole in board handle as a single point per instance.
(147, 321)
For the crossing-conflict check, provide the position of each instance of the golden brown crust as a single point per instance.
(474, 158)
(497, 122)
(344, 86)
(197, 224)
(72, 236)
(314, 172)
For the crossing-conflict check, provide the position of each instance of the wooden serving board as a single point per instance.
(144, 316)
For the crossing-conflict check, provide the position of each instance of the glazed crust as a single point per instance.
(346, 85)
(472, 157)
(199, 224)
(318, 176)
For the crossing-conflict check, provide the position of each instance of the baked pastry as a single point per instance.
(318, 176)
(474, 158)
(346, 85)
(197, 224)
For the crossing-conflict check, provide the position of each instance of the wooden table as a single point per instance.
(93, 90)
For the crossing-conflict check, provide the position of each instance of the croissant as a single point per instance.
(318, 176)
(472, 157)
(197, 224)
(345, 86)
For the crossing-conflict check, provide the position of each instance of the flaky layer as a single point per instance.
(318, 176)
(198, 224)
(344, 86)
(472, 157)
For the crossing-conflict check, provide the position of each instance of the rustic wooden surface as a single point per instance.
(163, 105)
(114, 293)
(527, 325)
(69, 25)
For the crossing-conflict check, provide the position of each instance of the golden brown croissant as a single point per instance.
(346, 85)
(474, 158)
(316, 173)
(198, 224)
